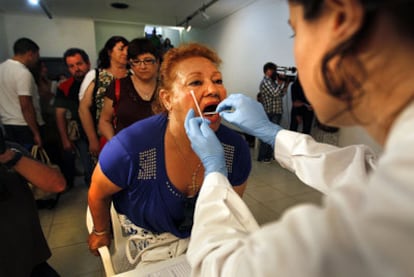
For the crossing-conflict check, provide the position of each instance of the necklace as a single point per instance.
(146, 96)
(193, 187)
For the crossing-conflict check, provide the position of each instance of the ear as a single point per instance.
(346, 16)
(165, 99)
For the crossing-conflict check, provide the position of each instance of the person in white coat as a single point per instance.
(344, 51)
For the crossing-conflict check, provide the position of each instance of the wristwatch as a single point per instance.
(17, 156)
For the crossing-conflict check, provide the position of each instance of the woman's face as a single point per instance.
(201, 76)
(312, 41)
(119, 53)
(145, 66)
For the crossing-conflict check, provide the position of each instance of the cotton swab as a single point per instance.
(196, 103)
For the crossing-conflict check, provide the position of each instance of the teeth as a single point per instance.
(210, 113)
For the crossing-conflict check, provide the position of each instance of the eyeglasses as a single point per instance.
(144, 61)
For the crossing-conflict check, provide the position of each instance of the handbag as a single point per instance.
(41, 155)
(73, 130)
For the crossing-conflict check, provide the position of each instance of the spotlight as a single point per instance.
(187, 27)
(205, 15)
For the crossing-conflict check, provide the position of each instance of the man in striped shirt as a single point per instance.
(272, 99)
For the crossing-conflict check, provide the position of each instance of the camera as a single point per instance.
(287, 74)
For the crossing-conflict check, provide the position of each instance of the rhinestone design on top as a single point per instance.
(148, 165)
(229, 156)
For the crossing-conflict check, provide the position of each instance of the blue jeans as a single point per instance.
(21, 135)
(266, 150)
(69, 159)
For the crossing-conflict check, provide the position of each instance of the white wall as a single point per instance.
(104, 30)
(52, 36)
(3, 40)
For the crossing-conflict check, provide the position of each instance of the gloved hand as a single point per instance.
(249, 116)
(205, 143)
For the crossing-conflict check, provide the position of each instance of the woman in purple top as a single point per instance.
(149, 169)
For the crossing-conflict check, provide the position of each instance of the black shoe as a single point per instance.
(47, 203)
(44, 270)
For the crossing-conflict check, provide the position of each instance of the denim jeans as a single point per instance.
(21, 135)
(266, 150)
(69, 159)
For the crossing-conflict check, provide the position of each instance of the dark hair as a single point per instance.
(73, 51)
(103, 57)
(24, 45)
(341, 83)
(268, 66)
(141, 46)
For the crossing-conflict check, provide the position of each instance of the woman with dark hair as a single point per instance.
(131, 99)
(344, 51)
(112, 64)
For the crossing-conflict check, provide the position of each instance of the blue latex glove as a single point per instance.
(249, 116)
(205, 143)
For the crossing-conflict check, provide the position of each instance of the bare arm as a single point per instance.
(240, 189)
(37, 173)
(105, 120)
(99, 201)
(88, 121)
(62, 127)
(29, 116)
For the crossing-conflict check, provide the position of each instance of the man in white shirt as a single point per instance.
(19, 98)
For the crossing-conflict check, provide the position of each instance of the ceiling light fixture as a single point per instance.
(205, 15)
(42, 4)
(188, 27)
(119, 5)
(202, 10)
(45, 9)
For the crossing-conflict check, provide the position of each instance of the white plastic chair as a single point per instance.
(114, 258)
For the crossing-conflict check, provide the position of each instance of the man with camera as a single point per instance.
(24, 250)
(271, 93)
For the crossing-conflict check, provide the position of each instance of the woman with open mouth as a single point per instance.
(149, 169)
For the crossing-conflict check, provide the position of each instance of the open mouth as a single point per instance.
(210, 110)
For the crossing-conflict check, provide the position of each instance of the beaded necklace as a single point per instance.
(194, 187)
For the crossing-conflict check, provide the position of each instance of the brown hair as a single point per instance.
(344, 84)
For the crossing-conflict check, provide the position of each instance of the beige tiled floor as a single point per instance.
(271, 190)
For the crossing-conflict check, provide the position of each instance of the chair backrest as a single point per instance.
(114, 258)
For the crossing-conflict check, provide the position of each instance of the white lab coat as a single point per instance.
(364, 228)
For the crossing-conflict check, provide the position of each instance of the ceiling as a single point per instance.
(151, 12)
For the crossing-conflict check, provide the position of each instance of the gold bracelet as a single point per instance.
(99, 233)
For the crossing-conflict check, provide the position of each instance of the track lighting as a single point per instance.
(202, 11)
(42, 5)
(204, 15)
(188, 27)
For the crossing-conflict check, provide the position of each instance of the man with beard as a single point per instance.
(71, 133)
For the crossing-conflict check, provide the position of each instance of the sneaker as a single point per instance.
(267, 161)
